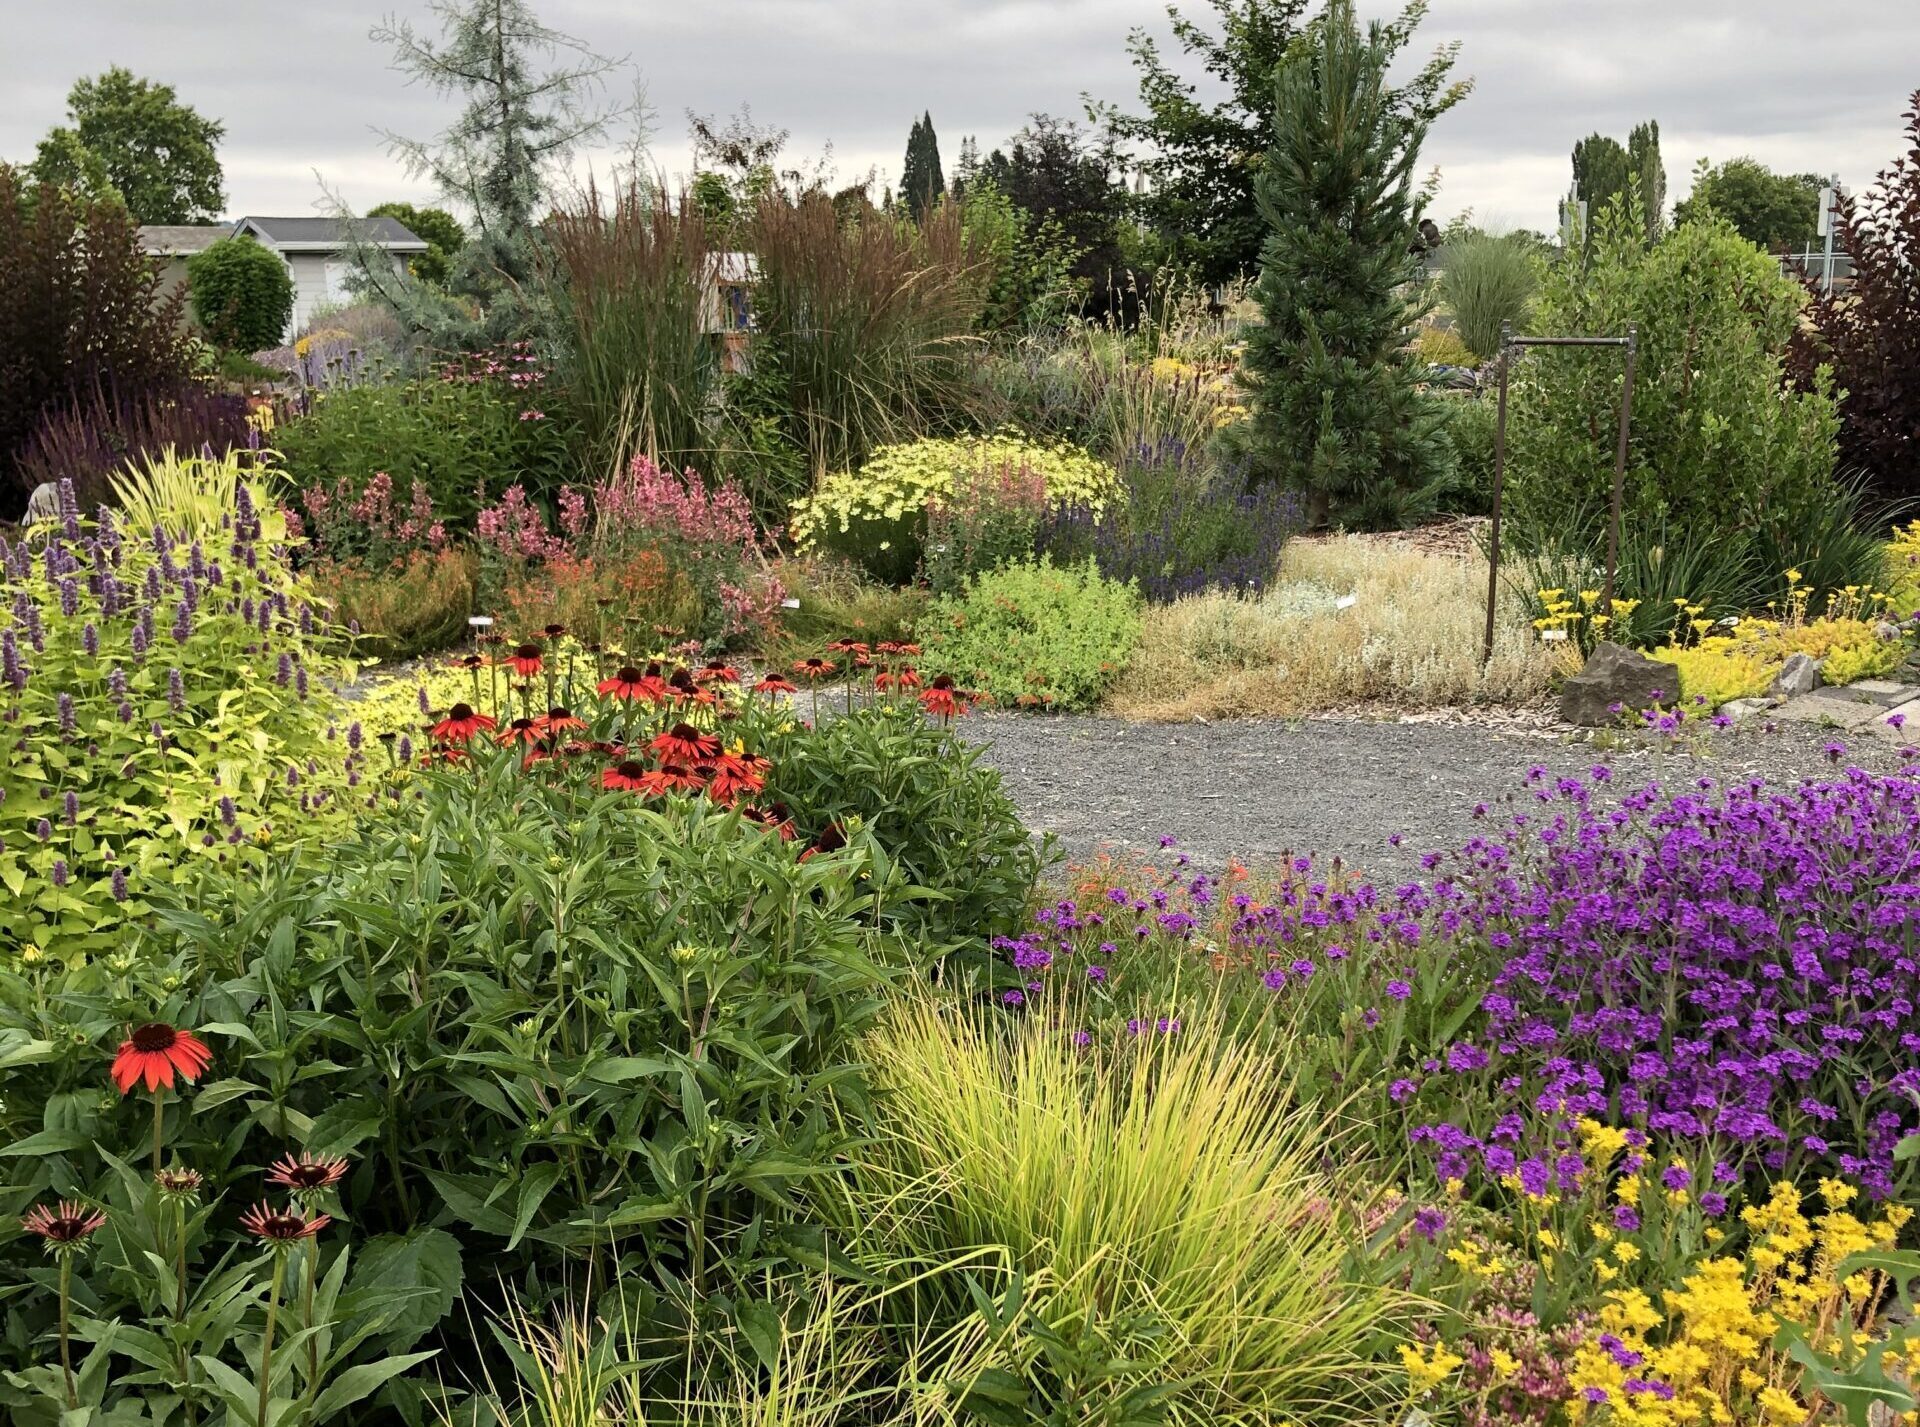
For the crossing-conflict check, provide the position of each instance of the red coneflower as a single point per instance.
(559, 720)
(460, 724)
(906, 677)
(682, 688)
(521, 730)
(670, 778)
(629, 776)
(525, 660)
(848, 646)
(774, 816)
(470, 661)
(157, 1053)
(776, 684)
(832, 838)
(447, 753)
(554, 631)
(685, 743)
(734, 775)
(65, 1225)
(629, 683)
(307, 1173)
(282, 1226)
(717, 671)
(941, 697)
(887, 646)
(910, 650)
(814, 669)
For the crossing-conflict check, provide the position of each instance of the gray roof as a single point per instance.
(321, 233)
(174, 240)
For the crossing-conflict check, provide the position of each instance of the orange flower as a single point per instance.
(775, 684)
(157, 1053)
(941, 697)
(525, 660)
(685, 743)
(460, 724)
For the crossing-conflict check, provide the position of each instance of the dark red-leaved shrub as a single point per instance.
(1870, 331)
(80, 303)
(95, 436)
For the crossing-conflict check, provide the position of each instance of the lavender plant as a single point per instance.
(1181, 529)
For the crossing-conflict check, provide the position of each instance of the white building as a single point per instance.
(317, 252)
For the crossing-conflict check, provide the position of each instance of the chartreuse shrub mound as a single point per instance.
(165, 696)
(877, 514)
(1154, 1221)
(1034, 634)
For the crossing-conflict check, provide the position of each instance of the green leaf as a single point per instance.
(49, 1142)
(357, 1382)
(534, 1188)
(425, 1265)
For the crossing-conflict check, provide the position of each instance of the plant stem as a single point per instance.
(266, 1342)
(306, 1321)
(180, 1312)
(66, 1350)
(159, 1124)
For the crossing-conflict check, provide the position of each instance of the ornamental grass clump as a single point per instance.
(1168, 1216)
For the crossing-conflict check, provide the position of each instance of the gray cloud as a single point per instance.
(303, 90)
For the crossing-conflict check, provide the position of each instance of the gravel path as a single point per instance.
(1256, 788)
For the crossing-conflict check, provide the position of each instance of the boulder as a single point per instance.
(1740, 710)
(1799, 675)
(1616, 684)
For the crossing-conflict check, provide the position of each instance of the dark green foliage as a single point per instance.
(1605, 174)
(242, 294)
(1028, 265)
(1778, 211)
(1716, 446)
(441, 231)
(1470, 424)
(1870, 334)
(1053, 173)
(136, 136)
(456, 438)
(80, 305)
(1201, 159)
(922, 183)
(1336, 410)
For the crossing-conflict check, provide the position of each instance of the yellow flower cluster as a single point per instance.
(898, 482)
(1427, 1370)
(1563, 614)
(1706, 1356)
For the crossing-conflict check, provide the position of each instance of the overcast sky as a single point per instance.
(302, 89)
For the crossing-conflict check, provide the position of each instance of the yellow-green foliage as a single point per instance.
(1720, 670)
(1159, 1196)
(1742, 664)
(1861, 661)
(1442, 347)
(877, 514)
(1903, 569)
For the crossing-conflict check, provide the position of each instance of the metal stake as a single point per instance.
(1499, 484)
(1619, 475)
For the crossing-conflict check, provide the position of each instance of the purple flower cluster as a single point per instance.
(1733, 970)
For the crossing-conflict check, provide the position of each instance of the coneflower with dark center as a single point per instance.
(685, 743)
(64, 1231)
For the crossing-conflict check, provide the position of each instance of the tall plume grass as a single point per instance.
(1158, 1204)
(1489, 279)
(863, 328)
(630, 281)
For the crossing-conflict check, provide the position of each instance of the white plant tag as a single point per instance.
(1554, 636)
(789, 604)
(1346, 602)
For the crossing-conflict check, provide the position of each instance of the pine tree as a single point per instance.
(966, 168)
(1643, 158)
(1336, 410)
(921, 182)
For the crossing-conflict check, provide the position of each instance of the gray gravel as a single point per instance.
(1255, 788)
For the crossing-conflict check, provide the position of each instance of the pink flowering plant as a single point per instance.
(695, 540)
